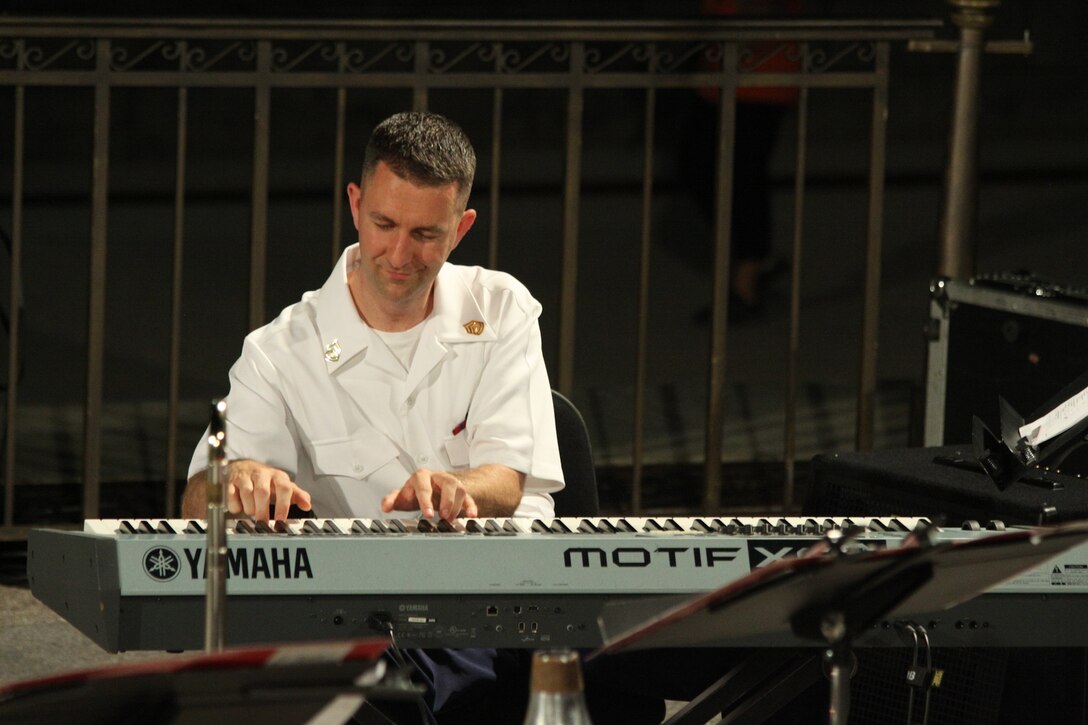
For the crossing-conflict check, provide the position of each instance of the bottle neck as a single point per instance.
(557, 708)
(555, 696)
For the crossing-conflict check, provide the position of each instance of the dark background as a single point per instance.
(1033, 201)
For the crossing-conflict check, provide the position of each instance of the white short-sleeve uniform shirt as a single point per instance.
(318, 394)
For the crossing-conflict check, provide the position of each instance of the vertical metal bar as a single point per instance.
(793, 353)
(96, 305)
(175, 296)
(639, 433)
(419, 87)
(871, 312)
(16, 296)
(959, 214)
(216, 548)
(720, 294)
(496, 166)
(258, 241)
(572, 184)
(338, 173)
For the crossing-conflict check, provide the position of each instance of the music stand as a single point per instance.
(832, 597)
(293, 683)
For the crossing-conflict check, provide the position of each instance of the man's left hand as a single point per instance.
(427, 489)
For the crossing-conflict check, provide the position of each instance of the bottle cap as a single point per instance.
(556, 671)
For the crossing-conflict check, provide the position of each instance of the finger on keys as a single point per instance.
(234, 499)
(453, 497)
(421, 485)
(301, 499)
(244, 483)
(283, 492)
(470, 509)
(401, 499)
(262, 494)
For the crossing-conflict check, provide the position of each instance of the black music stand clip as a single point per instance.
(1007, 458)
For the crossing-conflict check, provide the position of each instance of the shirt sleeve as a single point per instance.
(259, 424)
(511, 418)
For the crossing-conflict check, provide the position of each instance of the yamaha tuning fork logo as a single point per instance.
(161, 563)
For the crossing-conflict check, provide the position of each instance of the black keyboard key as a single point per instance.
(588, 527)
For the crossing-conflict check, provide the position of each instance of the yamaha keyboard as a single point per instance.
(139, 584)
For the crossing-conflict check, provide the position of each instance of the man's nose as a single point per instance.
(400, 253)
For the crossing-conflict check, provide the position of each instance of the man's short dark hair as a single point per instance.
(424, 148)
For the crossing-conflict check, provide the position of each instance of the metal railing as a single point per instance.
(571, 57)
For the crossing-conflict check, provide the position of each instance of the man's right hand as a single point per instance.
(251, 488)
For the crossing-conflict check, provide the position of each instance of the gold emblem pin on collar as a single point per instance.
(475, 327)
(332, 351)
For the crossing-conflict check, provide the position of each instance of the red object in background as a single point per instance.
(764, 56)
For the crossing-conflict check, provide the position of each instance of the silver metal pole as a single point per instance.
(957, 231)
(215, 553)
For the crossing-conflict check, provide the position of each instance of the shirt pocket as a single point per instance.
(356, 456)
(457, 450)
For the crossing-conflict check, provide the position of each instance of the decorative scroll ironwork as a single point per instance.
(444, 58)
(672, 59)
(40, 57)
(356, 59)
(119, 60)
(196, 58)
(594, 63)
(438, 64)
(514, 61)
(754, 58)
(820, 60)
(282, 62)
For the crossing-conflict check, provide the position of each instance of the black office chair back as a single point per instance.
(579, 497)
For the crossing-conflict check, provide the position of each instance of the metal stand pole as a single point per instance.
(215, 552)
(957, 245)
(840, 660)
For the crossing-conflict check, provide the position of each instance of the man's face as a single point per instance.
(406, 232)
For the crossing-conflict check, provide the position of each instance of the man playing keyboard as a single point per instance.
(404, 384)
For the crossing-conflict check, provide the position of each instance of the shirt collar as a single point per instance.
(343, 333)
(456, 316)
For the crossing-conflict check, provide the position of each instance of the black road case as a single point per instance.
(1011, 336)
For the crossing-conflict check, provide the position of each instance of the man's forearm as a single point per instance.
(194, 501)
(496, 489)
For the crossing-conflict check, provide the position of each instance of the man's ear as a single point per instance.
(355, 197)
(468, 218)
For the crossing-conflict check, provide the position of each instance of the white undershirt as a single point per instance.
(402, 344)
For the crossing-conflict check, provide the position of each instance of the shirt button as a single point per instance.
(423, 459)
(358, 467)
